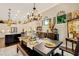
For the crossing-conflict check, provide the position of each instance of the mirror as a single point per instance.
(46, 21)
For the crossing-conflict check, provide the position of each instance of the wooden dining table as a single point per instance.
(46, 51)
(42, 49)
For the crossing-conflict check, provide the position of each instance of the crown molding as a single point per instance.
(49, 7)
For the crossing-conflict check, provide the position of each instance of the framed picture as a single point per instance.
(46, 21)
(61, 19)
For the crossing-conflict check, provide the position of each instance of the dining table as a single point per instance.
(47, 51)
(40, 47)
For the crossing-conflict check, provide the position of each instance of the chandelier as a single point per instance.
(9, 22)
(34, 15)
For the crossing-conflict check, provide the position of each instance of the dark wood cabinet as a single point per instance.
(11, 38)
(48, 35)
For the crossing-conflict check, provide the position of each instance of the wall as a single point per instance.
(52, 12)
(5, 29)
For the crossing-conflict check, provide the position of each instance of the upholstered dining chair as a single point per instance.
(76, 53)
(72, 51)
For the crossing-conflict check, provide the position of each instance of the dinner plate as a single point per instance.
(50, 45)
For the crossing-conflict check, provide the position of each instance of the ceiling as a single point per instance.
(20, 10)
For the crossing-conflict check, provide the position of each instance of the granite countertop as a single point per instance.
(11, 33)
(2, 35)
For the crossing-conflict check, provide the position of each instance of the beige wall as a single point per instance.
(67, 7)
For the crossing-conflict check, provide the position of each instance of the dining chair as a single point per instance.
(72, 51)
(76, 53)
